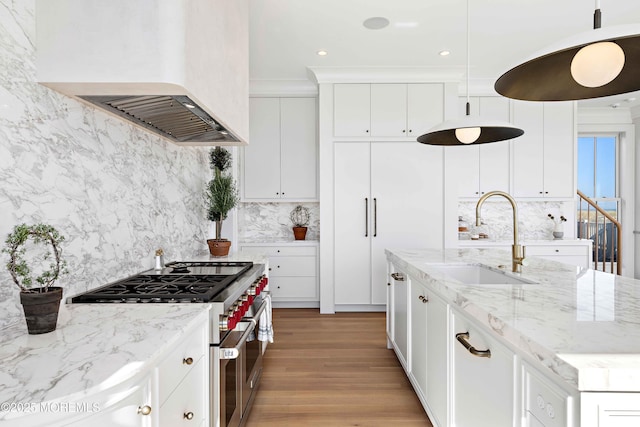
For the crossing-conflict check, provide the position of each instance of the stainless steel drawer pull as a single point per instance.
(398, 276)
(462, 338)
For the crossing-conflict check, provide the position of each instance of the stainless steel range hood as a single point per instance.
(178, 68)
(175, 117)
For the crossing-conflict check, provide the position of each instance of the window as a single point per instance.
(598, 170)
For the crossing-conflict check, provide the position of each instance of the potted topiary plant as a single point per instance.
(222, 196)
(299, 216)
(40, 304)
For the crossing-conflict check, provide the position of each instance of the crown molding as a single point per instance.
(277, 88)
(384, 74)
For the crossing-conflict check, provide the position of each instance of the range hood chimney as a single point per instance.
(177, 68)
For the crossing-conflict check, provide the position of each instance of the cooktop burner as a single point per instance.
(187, 282)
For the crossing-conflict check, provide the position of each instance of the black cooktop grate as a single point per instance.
(171, 287)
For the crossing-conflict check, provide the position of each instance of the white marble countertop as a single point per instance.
(582, 325)
(93, 346)
(272, 242)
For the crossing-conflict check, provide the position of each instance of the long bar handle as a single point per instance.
(462, 338)
(375, 217)
(366, 217)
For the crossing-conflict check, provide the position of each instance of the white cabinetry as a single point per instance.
(543, 158)
(398, 311)
(579, 255)
(485, 167)
(545, 404)
(387, 194)
(281, 159)
(483, 388)
(183, 385)
(292, 271)
(610, 409)
(429, 352)
(387, 110)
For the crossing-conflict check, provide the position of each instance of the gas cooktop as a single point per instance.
(184, 282)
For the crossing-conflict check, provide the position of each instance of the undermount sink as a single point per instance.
(474, 274)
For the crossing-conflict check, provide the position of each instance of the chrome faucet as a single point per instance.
(517, 251)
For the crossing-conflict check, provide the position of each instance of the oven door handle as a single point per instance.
(259, 311)
(233, 352)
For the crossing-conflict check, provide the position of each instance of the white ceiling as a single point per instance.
(286, 34)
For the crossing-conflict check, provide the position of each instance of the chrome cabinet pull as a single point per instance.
(398, 276)
(462, 338)
(366, 217)
(375, 217)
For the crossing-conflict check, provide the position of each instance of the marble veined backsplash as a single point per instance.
(533, 222)
(269, 222)
(116, 192)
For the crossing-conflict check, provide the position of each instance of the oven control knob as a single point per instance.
(232, 323)
(224, 323)
(251, 299)
(252, 289)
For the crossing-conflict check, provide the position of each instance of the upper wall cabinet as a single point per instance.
(543, 158)
(481, 168)
(387, 110)
(281, 161)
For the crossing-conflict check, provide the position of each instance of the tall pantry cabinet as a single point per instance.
(387, 195)
(379, 187)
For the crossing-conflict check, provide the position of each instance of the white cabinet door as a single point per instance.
(418, 334)
(387, 195)
(406, 209)
(298, 148)
(352, 109)
(528, 150)
(437, 391)
(389, 110)
(483, 387)
(352, 254)
(559, 142)
(425, 107)
(400, 288)
(609, 409)
(494, 158)
(262, 156)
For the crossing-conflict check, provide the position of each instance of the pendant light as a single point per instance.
(600, 62)
(469, 130)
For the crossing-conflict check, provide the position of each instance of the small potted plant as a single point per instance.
(221, 196)
(40, 304)
(558, 230)
(299, 216)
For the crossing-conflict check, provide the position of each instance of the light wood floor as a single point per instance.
(333, 370)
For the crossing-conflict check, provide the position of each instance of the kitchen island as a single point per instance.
(572, 332)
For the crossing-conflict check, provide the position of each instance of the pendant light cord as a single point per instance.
(597, 16)
(468, 107)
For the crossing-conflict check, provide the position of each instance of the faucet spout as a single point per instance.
(517, 251)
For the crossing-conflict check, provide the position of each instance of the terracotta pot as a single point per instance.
(41, 309)
(299, 232)
(219, 248)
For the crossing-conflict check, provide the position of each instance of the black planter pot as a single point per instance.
(41, 309)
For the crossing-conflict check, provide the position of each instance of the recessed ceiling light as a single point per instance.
(444, 53)
(405, 24)
(322, 52)
(376, 23)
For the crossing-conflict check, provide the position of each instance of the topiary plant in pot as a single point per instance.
(222, 196)
(300, 217)
(40, 304)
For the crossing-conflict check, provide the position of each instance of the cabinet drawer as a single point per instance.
(180, 361)
(552, 250)
(285, 288)
(543, 400)
(292, 266)
(280, 250)
(186, 405)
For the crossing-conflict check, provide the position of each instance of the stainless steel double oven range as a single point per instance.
(237, 292)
